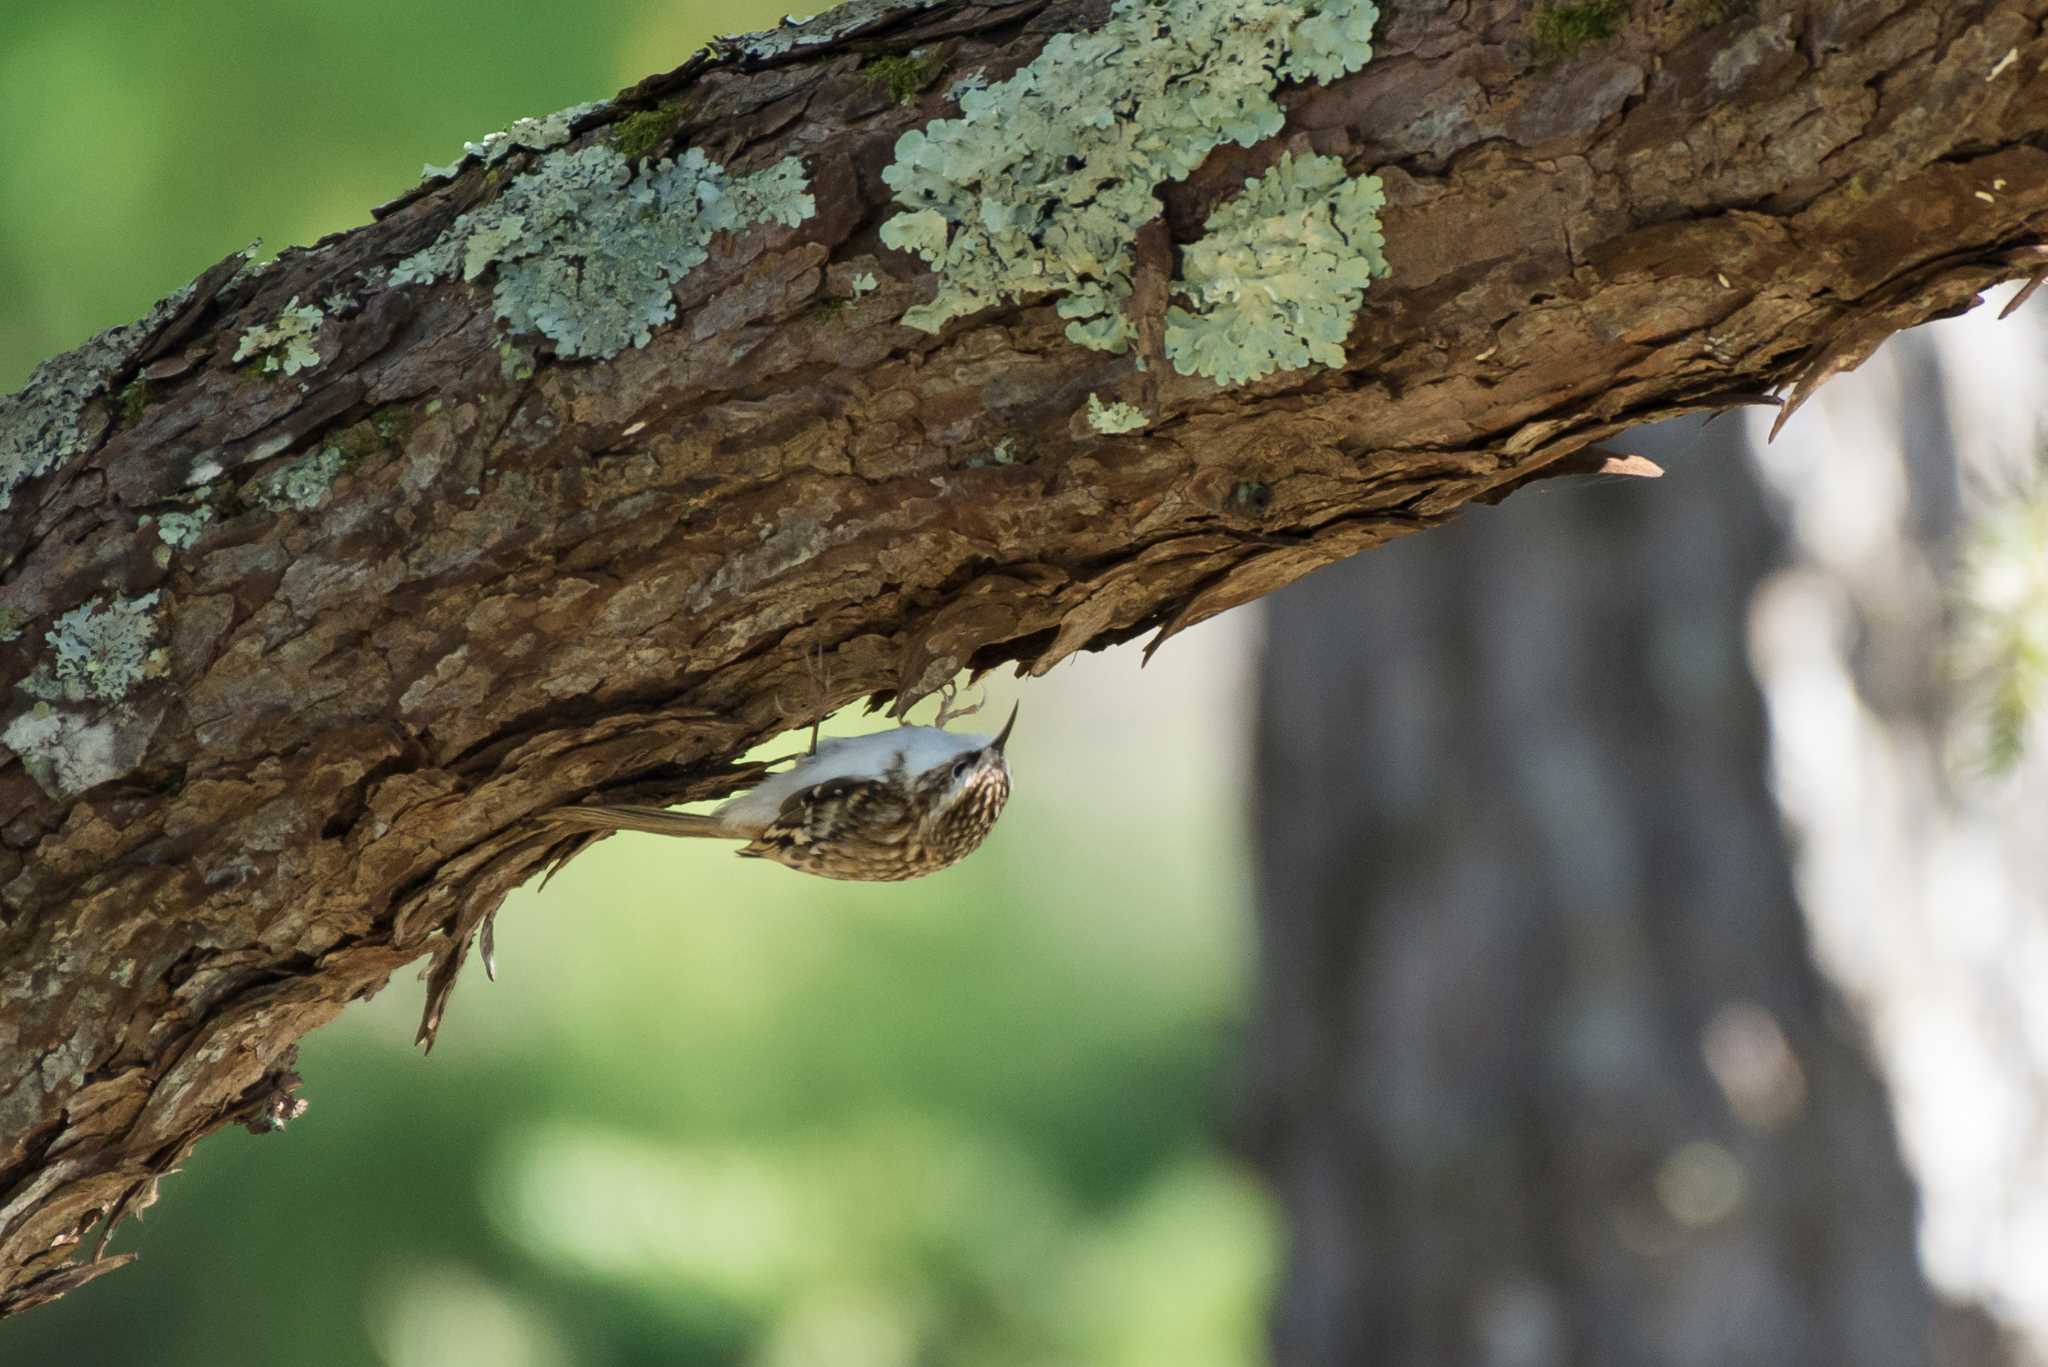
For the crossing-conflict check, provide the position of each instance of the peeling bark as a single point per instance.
(536, 580)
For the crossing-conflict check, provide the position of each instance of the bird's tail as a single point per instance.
(653, 819)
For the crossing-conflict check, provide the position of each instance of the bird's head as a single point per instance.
(962, 796)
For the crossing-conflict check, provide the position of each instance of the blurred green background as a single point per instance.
(713, 1112)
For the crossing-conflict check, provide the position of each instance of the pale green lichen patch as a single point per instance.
(795, 35)
(535, 134)
(99, 650)
(67, 753)
(587, 251)
(1004, 452)
(289, 344)
(1043, 181)
(299, 485)
(1114, 419)
(864, 283)
(53, 417)
(515, 363)
(179, 530)
(1280, 273)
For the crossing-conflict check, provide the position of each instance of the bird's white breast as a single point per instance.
(915, 748)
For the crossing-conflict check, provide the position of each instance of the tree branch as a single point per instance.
(320, 584)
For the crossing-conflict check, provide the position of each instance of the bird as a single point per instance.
(877, 808)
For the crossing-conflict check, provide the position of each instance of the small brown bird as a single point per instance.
(878, 808)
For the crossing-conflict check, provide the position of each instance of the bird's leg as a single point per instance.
(821, 695)
(819, 676)
(948, 712)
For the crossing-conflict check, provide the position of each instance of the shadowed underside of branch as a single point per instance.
(456, 579)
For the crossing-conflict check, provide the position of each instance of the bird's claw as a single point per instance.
(948, 712)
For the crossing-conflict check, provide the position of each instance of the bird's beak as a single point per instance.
(1004, 735)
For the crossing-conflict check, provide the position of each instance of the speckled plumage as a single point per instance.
(871, 809)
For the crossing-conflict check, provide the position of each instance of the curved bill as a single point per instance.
(1004, 735)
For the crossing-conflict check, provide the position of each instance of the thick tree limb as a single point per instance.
(535, 579)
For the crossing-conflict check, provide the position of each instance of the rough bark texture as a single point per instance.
(1545, 1070)
(537, 582)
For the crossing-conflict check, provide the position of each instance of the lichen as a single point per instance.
(515, 362)
(586, 252)
(299, 485)
(864, 283)
(53, 418)
(1560, 31)
(289, 344)
(100, 649)
(1115, 419)
(67, 753)
(1043, 182)
(535, 134)
(12, 620)
(180, 530)
(1004, 452)
(903, 75)
(1279, 274)
(794, 34)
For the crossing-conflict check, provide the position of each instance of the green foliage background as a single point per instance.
(715, 1112)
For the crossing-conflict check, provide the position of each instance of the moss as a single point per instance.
(642, 133)
(1560, 31)
(12, 620)
(135, 401)
(391, 423)
(372, 436)
(903, 75)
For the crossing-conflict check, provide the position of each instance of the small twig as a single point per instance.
(2026, 292)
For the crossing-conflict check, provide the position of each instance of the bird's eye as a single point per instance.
(961, 766)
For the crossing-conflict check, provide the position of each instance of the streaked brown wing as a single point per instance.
(839, 811)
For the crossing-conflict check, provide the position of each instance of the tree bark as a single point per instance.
(1545, 1070)
(536, 579)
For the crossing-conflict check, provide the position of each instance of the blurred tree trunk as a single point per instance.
(1544, 1071)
